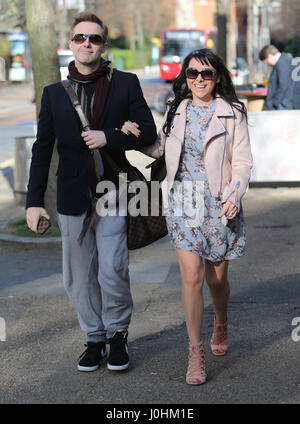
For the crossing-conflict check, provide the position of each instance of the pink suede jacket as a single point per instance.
(227, 157)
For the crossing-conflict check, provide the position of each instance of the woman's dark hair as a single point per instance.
(224, 88)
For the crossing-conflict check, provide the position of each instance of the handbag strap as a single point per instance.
(99, 167)
(86, 127)
(74, 99)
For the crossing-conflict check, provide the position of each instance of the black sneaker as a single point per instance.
(91, 358)
(118, 359)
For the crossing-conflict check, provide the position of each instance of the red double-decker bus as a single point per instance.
(178, 43)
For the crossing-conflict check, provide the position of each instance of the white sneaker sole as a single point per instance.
(87, 369)
(95, 367)
(117, 367)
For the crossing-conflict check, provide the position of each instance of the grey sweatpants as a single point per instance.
(96, 275)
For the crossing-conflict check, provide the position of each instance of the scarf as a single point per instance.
(101, 77)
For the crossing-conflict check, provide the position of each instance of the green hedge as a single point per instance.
(127, 59)
(4, 47)
(293, 46)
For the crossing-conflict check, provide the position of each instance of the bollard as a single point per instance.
(23, 147)
(2, 70)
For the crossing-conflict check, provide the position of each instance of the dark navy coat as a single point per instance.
(58, 120)
(280, 85)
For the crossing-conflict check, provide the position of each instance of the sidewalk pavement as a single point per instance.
(43, 340)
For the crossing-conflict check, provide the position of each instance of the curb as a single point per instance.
(19, 239)
(10, 237)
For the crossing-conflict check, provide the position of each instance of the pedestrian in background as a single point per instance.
(95, 273)
(280, 94)
(205, 140)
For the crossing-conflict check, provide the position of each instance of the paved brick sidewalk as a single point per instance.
(16, 104)
(11, 93)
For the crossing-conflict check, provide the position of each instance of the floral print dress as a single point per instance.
(192, 214)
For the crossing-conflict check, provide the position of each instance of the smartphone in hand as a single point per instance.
(43, 225)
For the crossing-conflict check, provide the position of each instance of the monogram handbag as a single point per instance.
(141, 230)
(144, 230)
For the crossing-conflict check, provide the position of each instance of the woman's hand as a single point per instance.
(229, 210)
(131, 128)
(94, 139)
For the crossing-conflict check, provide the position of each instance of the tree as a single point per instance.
(12, 14)
(226, 37)
(43, 44)
(250, 53)
(137, 20)
(62, 25)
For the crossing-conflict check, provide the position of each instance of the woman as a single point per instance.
(206, 144)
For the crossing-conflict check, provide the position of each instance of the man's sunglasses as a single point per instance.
(94, 39)
(206, 74)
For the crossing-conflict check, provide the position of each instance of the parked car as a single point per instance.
(64, 58)
(240, 71)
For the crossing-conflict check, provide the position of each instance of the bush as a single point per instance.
(142, 58)
(293, 46)
(4, 48)
(118, 42)
(127, 59)
(121, 58)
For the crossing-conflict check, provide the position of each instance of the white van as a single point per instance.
(64, 58)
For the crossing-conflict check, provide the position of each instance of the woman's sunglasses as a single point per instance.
(94, 38)
(206, 74)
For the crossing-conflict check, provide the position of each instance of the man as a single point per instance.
(95, 273)
(280, 84)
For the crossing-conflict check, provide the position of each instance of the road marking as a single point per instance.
(7, 163)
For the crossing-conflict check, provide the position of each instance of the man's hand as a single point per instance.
(94, 139)
(33, 215)
(229, 210)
